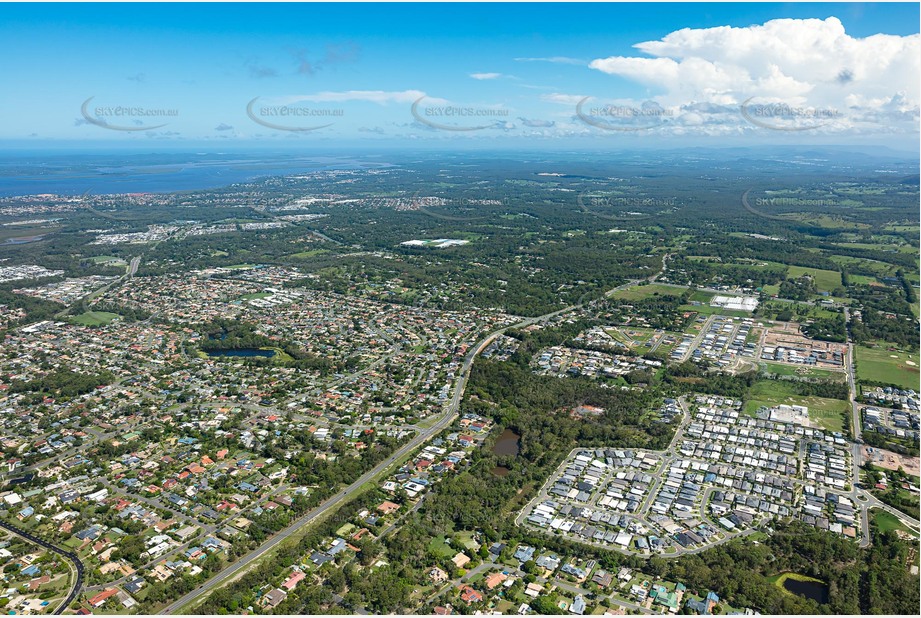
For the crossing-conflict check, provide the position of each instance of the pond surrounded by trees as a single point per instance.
(507, 444)
(806, 587)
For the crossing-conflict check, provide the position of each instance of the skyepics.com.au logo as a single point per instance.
(446, 117)
(290, 117)
(624, 207)
(115, 117)
(779, 116)
(797, 202)
(754, 205)
(625, 118)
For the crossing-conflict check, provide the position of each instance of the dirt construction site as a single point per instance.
(785, 342)
(892, 461)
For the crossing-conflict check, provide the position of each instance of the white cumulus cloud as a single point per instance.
(811, 63)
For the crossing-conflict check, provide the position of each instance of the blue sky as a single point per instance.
(477, 73)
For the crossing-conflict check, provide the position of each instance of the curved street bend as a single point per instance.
(72, 557)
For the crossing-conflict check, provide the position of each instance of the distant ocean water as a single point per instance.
(101, 174)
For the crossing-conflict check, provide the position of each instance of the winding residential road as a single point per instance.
(72, 557)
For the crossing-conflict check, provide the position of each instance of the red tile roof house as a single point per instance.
(99, 599)
(495, 579)
(469, 595)
(292, 581)
(357, 536)
(38, 581)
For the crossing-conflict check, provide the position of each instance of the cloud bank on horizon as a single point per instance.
(700, 74)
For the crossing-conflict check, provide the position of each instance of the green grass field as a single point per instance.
(807, 372)
(886, 521)
(465, 538)
(874, 247)
(702, 297)
(882, 269)
(440, 548)
(902, 227)
(827, 413)
(256, 295)
(889, 367)
(825, 280)
(94, 318)
(303, 255)
(863, 279)
(639, 292)
(105, 259)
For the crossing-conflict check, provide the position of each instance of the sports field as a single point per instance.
(94, 318)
